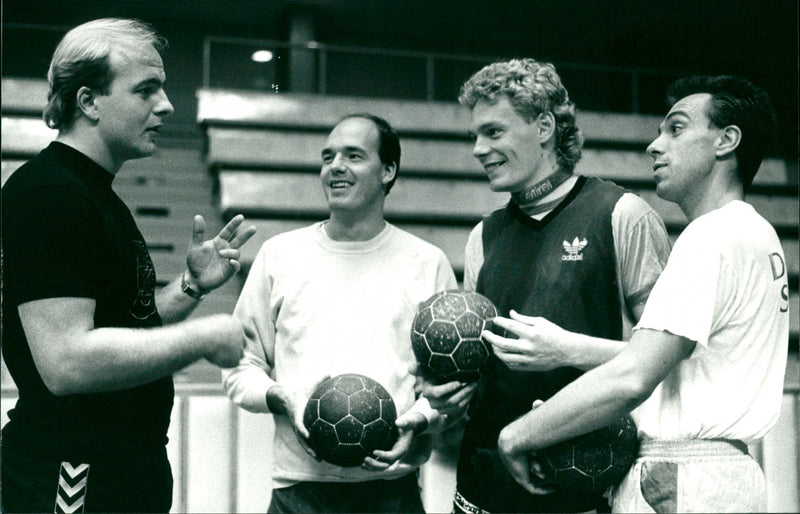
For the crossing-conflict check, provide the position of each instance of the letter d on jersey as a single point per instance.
(778, 271)
(778, 266)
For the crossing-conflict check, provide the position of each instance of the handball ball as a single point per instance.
(348, 417)
(590, 463)
(446, 335)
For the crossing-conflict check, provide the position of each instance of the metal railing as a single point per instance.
(435, 76)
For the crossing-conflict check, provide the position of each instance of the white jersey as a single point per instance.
(724, 287)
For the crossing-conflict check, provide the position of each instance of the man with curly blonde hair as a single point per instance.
(576, 250)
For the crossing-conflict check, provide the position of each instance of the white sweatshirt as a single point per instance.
(319, 308)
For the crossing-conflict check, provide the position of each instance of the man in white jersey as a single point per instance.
(339, 297)
(707, 358)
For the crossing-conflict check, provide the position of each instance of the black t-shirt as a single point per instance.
(67, 234)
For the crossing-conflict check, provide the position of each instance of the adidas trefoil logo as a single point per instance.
(574, 249)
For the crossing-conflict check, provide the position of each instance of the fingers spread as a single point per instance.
(229, 230)
(242, 236)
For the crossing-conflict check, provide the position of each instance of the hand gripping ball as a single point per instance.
(348, 417)
(446, 335)
(590, 463)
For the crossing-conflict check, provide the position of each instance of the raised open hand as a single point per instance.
(212, 262)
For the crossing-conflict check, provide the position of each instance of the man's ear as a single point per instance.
(728, 140)
(389, 172)
(86, 101)
(547, 126)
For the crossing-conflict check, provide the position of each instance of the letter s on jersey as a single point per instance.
(778, 271)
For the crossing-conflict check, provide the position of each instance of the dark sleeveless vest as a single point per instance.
(562, 268)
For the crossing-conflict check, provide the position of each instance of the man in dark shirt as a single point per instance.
(83, 335)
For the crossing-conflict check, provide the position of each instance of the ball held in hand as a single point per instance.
(446, 335)
(348, 417)
(591, 463)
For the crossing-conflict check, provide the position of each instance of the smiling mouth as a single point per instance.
(339, 184)
(493, 166)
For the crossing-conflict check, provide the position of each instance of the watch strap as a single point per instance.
(189, 290)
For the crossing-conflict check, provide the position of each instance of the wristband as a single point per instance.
(189, 290)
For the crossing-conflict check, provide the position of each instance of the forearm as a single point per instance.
(173, 304)
(247, 386)
(107, 359)
(591, 402)
(587, 352)
(600, 395)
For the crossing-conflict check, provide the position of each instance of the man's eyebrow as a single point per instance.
(671, 115)
(345, 149)
(152, 81)
(679, 112)
(484, 126)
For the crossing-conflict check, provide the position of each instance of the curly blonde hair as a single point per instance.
(532, 88)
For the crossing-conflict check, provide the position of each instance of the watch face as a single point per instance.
(186, 288)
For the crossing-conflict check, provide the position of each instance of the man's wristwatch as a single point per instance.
(189, 290)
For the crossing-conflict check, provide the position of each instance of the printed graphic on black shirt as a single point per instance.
(144, 306)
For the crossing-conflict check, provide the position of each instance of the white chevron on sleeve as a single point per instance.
(73, 471)
(72, 490)
(66, 507)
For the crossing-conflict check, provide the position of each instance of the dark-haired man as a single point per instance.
(339, 297)
(707, 359)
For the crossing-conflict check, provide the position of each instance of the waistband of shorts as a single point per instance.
(467, 506)
(667, 448)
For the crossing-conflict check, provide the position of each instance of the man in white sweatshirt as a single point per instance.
(339, 297)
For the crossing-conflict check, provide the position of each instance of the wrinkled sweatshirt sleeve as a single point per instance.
(473, 257)
(445, 279)
(247, 384)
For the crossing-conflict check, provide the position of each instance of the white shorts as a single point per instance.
(692, 476)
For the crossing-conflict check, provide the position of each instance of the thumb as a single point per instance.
(198, 230)
(414, 421)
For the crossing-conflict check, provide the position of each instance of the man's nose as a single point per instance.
(164, 106)
(479, 147)
(337, 164)
(654, 148)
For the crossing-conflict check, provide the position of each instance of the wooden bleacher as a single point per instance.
(264, 150)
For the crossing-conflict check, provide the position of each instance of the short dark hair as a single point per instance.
(388, 143)
(734, 101)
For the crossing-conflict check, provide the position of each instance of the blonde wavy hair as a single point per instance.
(532, 88)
